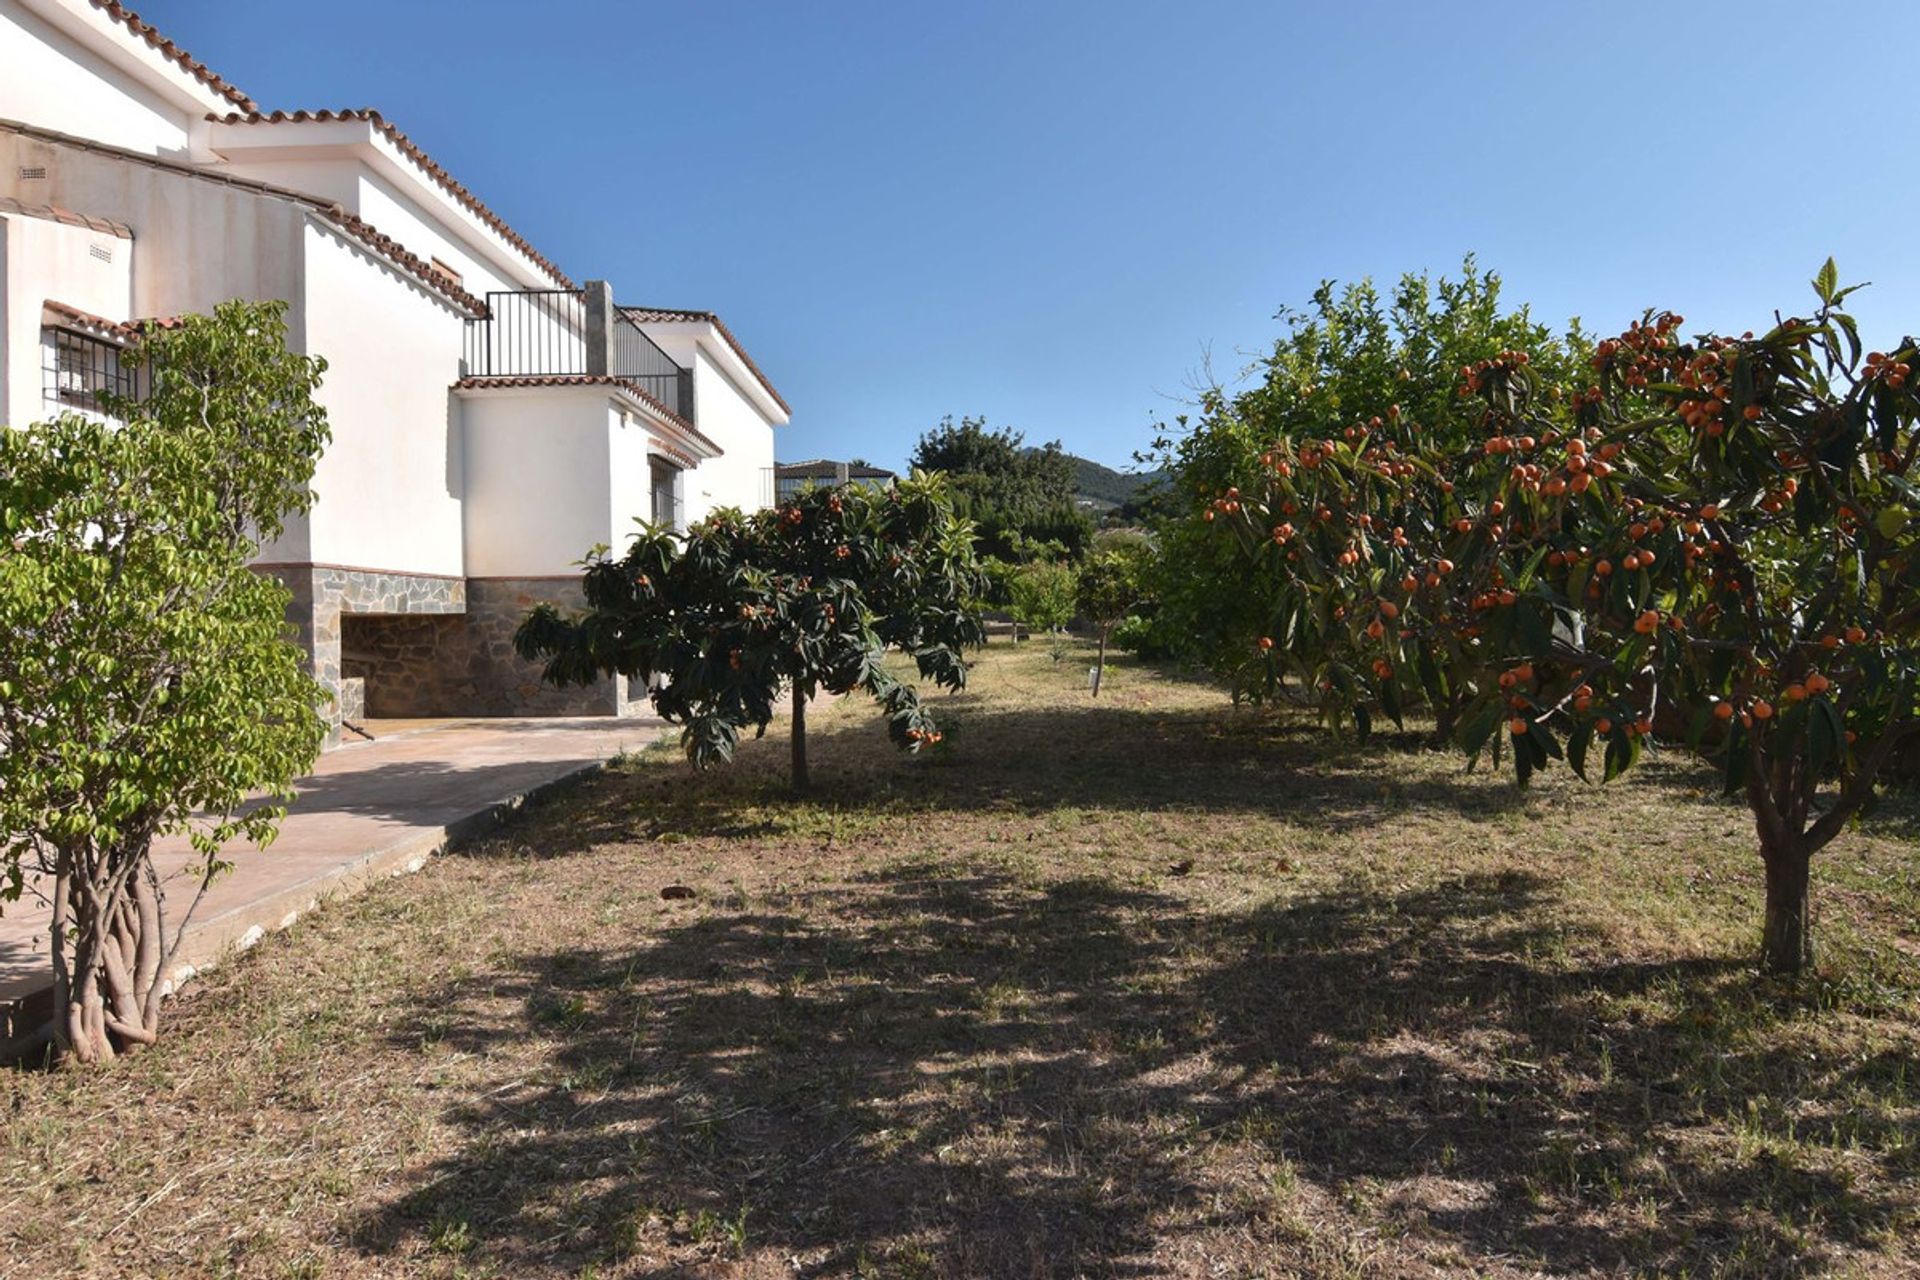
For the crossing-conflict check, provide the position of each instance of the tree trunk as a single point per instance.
(109, 949)
(1100, 663)
(801, 779)
(1446, 716)
(62, 972)
(1786, 940)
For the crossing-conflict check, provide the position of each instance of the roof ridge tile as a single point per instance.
(187, 62)
(54, 213)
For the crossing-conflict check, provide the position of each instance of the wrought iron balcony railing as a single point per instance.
(544, 333)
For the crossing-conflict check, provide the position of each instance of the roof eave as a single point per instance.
(136, 47)
(368, 136)
(718, 341)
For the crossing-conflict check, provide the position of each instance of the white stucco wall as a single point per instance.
(394, 212)
(629, 478)
(389, 487)
(41, 260)
(388, 490)
(336, 181)
(742, 475)
(197, 242)
(346, 179)
(355, 163)
(537, 466)
(547, 338)
(48, 78)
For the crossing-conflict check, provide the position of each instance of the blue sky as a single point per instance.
(1057, 214)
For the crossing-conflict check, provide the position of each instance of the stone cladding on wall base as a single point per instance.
(392, 645)
(466, 666)
(322, 594)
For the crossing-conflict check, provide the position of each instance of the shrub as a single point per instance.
(1135, 634)
(146, 683)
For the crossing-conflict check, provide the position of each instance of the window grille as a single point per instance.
(82, 371)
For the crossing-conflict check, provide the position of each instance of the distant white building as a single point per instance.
(492, 418)
(790, 478)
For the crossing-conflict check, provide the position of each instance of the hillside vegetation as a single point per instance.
(1105, 487)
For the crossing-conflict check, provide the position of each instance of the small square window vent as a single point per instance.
(101, 251)
(33, 171)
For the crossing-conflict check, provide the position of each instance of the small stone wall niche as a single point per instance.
(465, 665)
(403, 646)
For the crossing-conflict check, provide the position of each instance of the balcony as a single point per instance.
(565, 333)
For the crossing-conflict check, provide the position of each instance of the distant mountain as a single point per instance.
(1100, 487)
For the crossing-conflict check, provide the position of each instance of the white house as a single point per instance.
(492, 418)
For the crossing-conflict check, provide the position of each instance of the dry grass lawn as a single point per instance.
(1156, 987)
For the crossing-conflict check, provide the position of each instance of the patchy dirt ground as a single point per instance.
(1153, 987)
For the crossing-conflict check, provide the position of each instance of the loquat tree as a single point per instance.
(1382, 368)
(1701, 542)
(805, 598)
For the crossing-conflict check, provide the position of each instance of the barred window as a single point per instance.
(81, 370)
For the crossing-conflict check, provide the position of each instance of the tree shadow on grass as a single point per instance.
(924, 1074)
(1029, 763)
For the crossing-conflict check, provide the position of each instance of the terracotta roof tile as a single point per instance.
(412, 151)
(55, 214)
(672, 315)
(392, 249)
(351, 224)
(591, 380)
(187, 62)
(120, 330)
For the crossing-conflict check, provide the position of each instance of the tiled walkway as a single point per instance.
(369, 809)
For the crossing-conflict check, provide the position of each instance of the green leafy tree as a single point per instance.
(1042, 597)
(147, 685)
(1705, 542)
(1015, 495)
(1109, 584)
(1352, 364)
(796, 600)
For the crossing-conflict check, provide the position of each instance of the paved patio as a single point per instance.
(369, 809)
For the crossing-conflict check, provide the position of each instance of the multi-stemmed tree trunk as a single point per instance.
(111, 953)
(107, 949)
